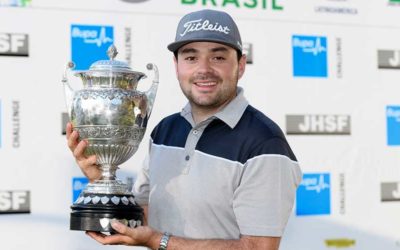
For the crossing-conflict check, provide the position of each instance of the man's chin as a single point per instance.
(202, 103)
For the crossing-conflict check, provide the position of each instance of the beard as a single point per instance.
(225, 91)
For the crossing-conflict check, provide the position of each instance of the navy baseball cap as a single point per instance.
(207, 26)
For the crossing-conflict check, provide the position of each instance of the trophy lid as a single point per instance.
(111, 66)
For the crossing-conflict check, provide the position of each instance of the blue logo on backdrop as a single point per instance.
(313, 195)
(393, 125)
(310, 56)
(78, 184)
(89, 44)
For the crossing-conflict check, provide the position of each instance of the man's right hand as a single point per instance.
(87, 164)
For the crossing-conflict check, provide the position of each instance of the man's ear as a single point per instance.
(242, 65)
(176, 66)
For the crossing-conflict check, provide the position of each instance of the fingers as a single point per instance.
(87, 164)
(115, 239)
(89, 168)
(140, 236)
(78, 148)
(90, 160)
(99, 237)
(120, 228)
(73, 140)
(68, 129)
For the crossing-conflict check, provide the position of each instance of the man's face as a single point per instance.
(208, 74)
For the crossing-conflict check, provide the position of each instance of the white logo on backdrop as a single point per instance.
(14, 201)
(393, 113)
(199, 25)
(14, 44)
(92, 36)
(396, 193)
(322, 123)
(309, 46)
(315, 184)
(78, 185)
(395, 60)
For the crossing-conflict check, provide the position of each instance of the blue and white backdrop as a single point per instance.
(327, 71)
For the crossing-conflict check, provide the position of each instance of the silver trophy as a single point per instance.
(112, 116)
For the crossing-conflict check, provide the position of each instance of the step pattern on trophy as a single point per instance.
(106, 222)
(111, 154)
(114, 132)
(109, 94)
(115, 200)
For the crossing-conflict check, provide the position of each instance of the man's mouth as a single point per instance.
(206, 84)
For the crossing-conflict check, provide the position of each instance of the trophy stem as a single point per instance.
(108, 172)
(108, 182)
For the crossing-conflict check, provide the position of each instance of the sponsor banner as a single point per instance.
(389, 59)
(340, 7)
(390, 191)
(310, 56)
(273, 5)
(13, 44)
(339, 58)
(64, 121)
(16, 124)
(340, 243)
(15, 202)
(89, 44)
(134, 1)
(313, 195)
(393, 125)
(128, 46)
(15, 3)
(394, 2)
(309, 124)
(342, 194)
(248, 51)
(78, 184)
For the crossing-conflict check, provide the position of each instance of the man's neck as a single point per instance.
(201, 113)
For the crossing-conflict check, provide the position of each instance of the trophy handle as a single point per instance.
(152, 92)
(68, 90)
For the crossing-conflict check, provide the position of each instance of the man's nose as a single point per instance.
(204, 65)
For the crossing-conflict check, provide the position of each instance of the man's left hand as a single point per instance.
(140, 236)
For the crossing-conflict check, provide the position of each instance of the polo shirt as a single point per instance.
(233, 174)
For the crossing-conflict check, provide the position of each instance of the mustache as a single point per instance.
(206, 77)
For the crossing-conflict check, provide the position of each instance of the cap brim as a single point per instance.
(173, 47)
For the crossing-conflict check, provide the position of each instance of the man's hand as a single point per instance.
(87, 164)
(140, 236)
(147, 237)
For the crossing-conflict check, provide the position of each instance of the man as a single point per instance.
(219, 174)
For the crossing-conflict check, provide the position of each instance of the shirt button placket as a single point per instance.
(190, 147)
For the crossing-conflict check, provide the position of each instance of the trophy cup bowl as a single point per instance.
(112, 116)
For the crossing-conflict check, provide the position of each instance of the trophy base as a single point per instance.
(94, 212)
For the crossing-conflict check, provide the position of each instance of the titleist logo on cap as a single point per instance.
(199, 25)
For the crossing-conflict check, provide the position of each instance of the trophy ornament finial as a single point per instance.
(112, 52)
(70, 65)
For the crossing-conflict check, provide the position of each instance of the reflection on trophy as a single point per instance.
(112, 116)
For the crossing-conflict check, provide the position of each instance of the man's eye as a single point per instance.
(219, 58)
(190, 58)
